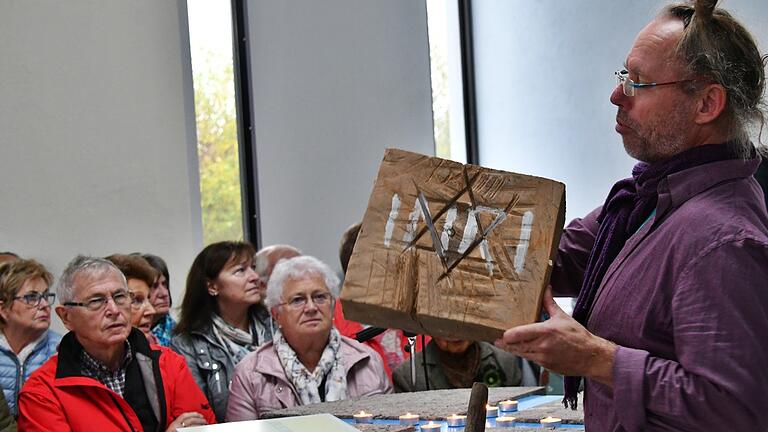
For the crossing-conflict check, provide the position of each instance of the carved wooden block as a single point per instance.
(453, 250)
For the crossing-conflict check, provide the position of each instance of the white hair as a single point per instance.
(266, 258)
(300, 267)
(84, 266)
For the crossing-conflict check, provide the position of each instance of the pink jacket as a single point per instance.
(260, 385)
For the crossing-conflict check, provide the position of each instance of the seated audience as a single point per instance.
(106, 376)
(140, 276)
(308, 361)
(457, 363)
(7, 421)
(160, 296)
(25, 315)
(221, 318)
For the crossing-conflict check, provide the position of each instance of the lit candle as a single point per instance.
(508, 406)
(491, 411)
(409, 419)
(431, 427)
(455, 420)
(551, 422)
(363, 417)
(505, 421)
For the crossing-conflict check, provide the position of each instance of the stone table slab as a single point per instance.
(383, 428)
(429, 405)
(552, 409)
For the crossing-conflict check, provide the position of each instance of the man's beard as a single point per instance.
(658, 139)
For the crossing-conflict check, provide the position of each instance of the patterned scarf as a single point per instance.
(330, 367)
(237, 342)
(630, 202)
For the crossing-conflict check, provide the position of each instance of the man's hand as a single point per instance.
(562, 345)
(188, 419)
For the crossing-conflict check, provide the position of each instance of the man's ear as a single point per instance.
(711, 103)
(3, 311)
(63, 313)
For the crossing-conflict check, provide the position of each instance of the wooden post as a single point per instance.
(476, 409)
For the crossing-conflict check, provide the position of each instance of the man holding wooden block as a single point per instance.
(672, 271)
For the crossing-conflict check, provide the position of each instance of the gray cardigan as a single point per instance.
(209, 363)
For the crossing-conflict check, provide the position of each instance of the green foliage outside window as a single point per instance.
(217, 150)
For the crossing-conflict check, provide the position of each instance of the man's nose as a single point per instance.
(618, 97)
(111, 306)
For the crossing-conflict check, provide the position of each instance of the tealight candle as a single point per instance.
(409, 419)
(455, 420)
(430, 427)
(491, 411)
(363, 417)
(508, 406)
(505, 421)
(551, 422)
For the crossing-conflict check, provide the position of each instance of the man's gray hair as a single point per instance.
(265, 261)
(716, 47)
(301, 267)
(83, 266)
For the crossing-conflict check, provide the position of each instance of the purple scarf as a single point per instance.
(629, 204)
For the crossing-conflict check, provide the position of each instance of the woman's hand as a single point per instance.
(188, 419)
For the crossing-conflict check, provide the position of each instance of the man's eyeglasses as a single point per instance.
(121, 298)
(299, 302)
(34, 298)
(628, 86)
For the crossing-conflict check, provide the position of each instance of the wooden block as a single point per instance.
(453, 250)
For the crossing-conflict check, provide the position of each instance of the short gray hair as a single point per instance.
(86, 266)
(300, 267)
(266, 258)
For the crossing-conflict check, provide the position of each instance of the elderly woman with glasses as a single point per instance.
(140, 277)
(308, 361)
(25, 315)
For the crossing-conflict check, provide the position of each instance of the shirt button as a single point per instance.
(215, 366)
(206, 364)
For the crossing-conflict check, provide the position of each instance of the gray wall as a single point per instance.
(544, 76)
(335, 82)
(97, 131)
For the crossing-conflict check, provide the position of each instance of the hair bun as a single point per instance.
(703, 9)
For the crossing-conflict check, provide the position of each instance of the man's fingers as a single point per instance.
(550, 305)
(523, 333)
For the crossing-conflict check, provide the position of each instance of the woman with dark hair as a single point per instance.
(221, 318)
(160, 297)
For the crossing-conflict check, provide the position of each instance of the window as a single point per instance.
(210, 33)
(447, 88)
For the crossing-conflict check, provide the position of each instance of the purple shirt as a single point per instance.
(686, 300)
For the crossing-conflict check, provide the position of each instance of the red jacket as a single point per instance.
(56, 397)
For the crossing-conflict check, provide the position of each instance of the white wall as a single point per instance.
(544, 76)
(97, 132)
(335, 82)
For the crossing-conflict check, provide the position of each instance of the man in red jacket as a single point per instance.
(106, 375)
